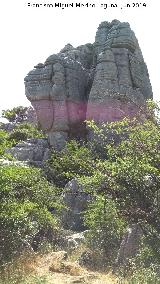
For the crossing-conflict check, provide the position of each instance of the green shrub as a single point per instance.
(23, 132)
(105, 228)
(16, 114)
(18, 135)
(4, 142)
(73, 160)
(25, 196)
(144, 276)
(130, 175)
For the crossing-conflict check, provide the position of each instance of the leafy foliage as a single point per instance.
(73, 160)
(25, 131)
(4, 142)
(119, 167)
(131, 174)
(106, 228)
(144, 276)
(16, 114)
(21, 132)
(25, 198)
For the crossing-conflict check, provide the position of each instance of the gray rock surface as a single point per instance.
(75, 200)
(129, 246)
(35, 150)
(73, 241)
(89, 81)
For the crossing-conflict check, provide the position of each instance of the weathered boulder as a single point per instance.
(35, 150)
(73, 241)
(104, 81)
(75, 200)
(57, 90)
(121, 82)
(129, 246)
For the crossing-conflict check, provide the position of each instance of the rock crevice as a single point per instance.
(88, 82)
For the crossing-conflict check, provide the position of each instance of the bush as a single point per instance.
(18, 135)
(144, 276)
(23, 132)
(74, 160)
(130, 175)
(4, 142)
(16, 114)
(25, 196)
(105, 228)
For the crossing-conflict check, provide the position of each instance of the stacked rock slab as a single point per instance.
(104, 81)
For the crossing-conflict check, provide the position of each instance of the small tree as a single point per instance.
(106, 228)
(16, 114)
(130, 173)
(24, 131)
(25, 196)
(73, 160)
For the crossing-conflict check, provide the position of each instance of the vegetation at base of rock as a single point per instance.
(25, 198)
(120, 168)
(24, 131)
(74, 160)
(106, 228)
(4, 141)
(16, 114)
(130, 175)
(20, 133)
(143, 276)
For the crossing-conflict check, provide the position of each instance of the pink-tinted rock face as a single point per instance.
(105, 81)
(58, 115)
(44, 111)
(76, 111)
(109, 111)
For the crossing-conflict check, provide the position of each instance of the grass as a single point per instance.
(49, 268)
(16, 271)
(53, 268)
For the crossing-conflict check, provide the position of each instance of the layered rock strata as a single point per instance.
(104, 81)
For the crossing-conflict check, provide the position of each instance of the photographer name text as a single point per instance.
(60, 5)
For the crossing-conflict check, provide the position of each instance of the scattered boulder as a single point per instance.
(34, 150)
(75, 200)
(74, 240)
(129, 246)
(7, 126)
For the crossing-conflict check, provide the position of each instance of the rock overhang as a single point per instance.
(87, 82)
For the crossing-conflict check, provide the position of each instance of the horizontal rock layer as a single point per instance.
(89, 82)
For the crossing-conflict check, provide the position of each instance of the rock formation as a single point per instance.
(75, 201)
(129, 246)
(104, 81)
(33, 151)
